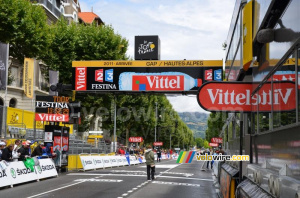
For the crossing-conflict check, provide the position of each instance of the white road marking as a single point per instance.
(174, 173)
(99, 180)
(175, 183)
(130, 191)
(125, 171)
(186, 178)
(163, 166)
(55, 189)
(125, 194)
(109, 174)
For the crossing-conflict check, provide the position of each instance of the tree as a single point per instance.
(215, 124)
(24, 27)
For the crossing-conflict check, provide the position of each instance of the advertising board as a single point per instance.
(145, 76)
(236, 97)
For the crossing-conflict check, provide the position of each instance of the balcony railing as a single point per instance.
(47, 4)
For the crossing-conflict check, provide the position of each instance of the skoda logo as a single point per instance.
(13, 173)
(39, 169)
(95, 162)
(83, 163)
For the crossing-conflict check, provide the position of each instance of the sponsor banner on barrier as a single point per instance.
(45, 169)
(5, 178)
(113, 161)
(125, 161)
(106, 161)
(120, 160)
(98, 161)
(20, 174)
(87, 162)
(133, 160)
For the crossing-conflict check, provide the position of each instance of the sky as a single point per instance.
(188, 29)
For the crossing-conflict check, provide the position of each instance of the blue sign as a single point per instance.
(127, 157)
(109, 75)
(218, 75)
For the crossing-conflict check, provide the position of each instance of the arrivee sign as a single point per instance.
(216, 140)
(157, 143)
(236, 97)
(136, 139)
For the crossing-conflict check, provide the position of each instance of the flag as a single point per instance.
(28, 77)
(3, 65)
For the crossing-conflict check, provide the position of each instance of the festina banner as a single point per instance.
(28, 77)
(3, 65)
(52, 108)
(236, 97)
(145, 76)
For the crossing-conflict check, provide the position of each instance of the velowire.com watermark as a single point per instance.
(222, 157)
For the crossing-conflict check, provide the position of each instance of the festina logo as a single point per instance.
(158, 83)
(81, 76)
(51, 117)
(237, 97)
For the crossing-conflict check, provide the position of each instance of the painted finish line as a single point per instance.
(176, 184)
(97, 180)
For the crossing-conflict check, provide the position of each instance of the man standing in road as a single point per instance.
(158, 154)
(149, 155)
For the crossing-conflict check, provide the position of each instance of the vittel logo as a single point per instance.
(81, 77)
(158, 83)
(228, 96)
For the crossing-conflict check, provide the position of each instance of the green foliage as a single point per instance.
(81, 42)
(215, 123)
(24, 27)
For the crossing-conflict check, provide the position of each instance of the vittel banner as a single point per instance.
(145, 76)
(236, 97)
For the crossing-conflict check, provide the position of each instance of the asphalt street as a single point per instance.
(172, 180)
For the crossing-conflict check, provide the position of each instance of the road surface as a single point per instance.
(172, 180)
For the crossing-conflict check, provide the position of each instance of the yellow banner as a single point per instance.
(28, 77)
(166, 63)
(22, 119)
(247, 36)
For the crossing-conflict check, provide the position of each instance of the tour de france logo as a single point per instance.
(146, 47)
(13, 173)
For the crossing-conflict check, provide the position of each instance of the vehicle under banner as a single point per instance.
(145, 76)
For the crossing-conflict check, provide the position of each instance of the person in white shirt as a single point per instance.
(15, 154)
